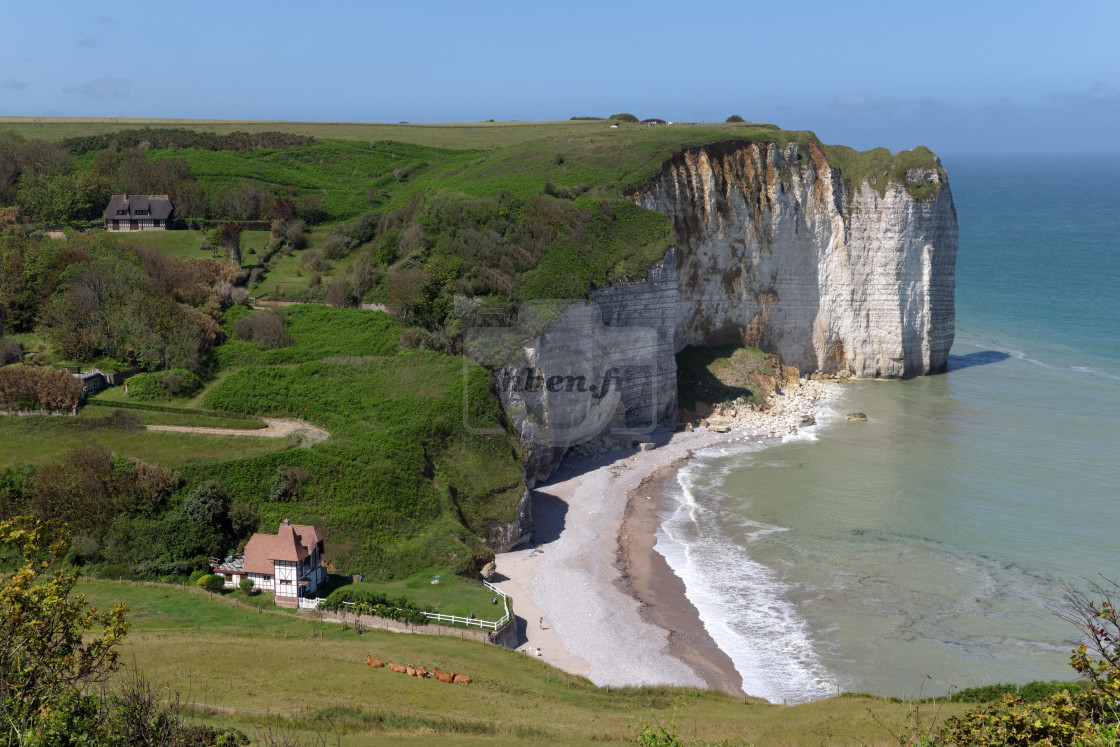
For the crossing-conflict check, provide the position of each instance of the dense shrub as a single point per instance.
(733, 119)
(287, 483)
(264, 328)
(177, 382)
(377, 604)
(25, 387)
(11, 351)
(179, 137)
(623, 117)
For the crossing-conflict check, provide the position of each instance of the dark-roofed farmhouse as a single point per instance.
(138, 213)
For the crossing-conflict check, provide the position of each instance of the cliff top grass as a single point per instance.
(485, 156)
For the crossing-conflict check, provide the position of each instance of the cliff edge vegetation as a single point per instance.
(441, 227)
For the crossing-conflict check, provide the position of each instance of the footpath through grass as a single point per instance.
(167, 416)
(284, 670)
(39, 439)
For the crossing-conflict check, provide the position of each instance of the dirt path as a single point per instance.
(277, 428)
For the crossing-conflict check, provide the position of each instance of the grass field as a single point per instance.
(185, 244)
(36, 439)
(287, 272)
(453, 595)
(253, 666)
(443, 135)
(98, 409)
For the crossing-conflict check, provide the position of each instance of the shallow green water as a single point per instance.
(930, 540)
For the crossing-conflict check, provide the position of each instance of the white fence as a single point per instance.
(470, 622)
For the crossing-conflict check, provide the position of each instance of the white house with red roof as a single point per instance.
(288, 563)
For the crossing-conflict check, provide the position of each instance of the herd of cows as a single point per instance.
(421, 672)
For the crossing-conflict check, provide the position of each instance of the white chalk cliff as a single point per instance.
(774, 250)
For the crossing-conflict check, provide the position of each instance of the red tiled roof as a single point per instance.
(292, 542)
(287, 546)
(258, 553)
(308, 535)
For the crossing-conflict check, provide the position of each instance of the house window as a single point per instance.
(122, 212)
(285, 581)
(229, 577)
(143, 212)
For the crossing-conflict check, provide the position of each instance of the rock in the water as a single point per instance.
(647, 446)
(859, 416)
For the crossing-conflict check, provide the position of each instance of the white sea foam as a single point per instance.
(741, 602)
(1096, 372)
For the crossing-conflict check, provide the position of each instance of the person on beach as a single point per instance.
(540, 623)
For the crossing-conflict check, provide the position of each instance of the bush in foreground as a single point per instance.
(53, 649)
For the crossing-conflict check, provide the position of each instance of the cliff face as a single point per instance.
(602, 369)
(774, 252)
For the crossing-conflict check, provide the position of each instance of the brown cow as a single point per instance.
(443, 676)
(461, 679)
(409, 670)
(374, 662)
(422, 672)
(396, 667)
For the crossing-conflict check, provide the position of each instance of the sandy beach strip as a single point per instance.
(570, 575)
(612, 608)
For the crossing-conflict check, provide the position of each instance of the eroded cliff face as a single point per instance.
(598, 369)
(773, 252)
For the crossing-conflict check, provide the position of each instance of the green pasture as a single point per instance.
(292, 672)
(187, 244)
(36, 439)
(203, 419)
(453, 595)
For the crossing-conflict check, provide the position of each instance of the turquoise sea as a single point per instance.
(924, 549)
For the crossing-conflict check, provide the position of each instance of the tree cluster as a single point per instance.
(32, 388)
(129, 518)
(94, 298)
(47, 185)
(179, 137)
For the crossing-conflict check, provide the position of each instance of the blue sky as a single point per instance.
(959, 77)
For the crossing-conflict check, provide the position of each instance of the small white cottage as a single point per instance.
(288, 563)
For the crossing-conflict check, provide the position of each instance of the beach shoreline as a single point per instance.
(612, 608)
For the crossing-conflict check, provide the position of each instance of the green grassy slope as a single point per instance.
(402, 484)
(278, 669)
(37, 439)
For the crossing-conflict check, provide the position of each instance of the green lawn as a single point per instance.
(185, 244)
(453, 595)
(254, 666)
(35, 439)
(97, 409)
